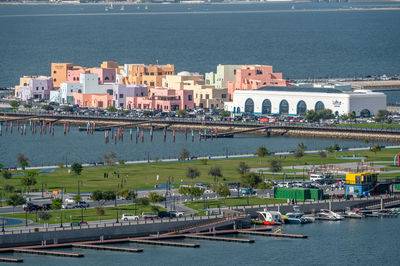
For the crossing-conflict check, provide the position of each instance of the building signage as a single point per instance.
(337, 103)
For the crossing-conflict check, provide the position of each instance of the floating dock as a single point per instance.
(271, 234)
(218, 238)
(9, 259)
(165, 243)
(110, 248)
(48, 252)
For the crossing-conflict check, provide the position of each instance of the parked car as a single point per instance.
(177, 214)
(78, 223)
(31, 207)
(129, 217)
(149, 216)
(165, 214)
(46, 206)
(82, 204)
(68, 206)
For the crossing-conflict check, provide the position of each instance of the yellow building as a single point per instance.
(205, 96)
(363, 178)
(150, 75)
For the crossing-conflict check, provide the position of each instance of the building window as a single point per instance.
(145, 82)
(112, 77)
(121, 96)
(159, 73)
(42, 88)
(37, 88)
(54, 72)
(55, 80)
(207, 96)
(25, 84)
(259, 72)
(151, 73)
(151, 83)
(79, 91)
(73, 79)
(223, 96)
(107, 78)
(234, 72)
(141, 94)
(121, 105)
(249, 74)
(190, 97)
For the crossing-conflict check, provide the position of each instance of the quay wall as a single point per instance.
(94, 232)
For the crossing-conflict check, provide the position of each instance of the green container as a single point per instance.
(397, 186)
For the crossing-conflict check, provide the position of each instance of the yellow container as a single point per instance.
(362, 178)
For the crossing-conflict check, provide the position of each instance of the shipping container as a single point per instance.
(298, 193)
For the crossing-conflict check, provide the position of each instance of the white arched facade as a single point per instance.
(339, 102)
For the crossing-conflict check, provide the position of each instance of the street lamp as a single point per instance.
(62, 199)
(304, 168)
(2, 229)
(26, 217)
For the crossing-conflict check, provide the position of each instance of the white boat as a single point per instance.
(111, 6)
(122, 8)
(298, 217)
(352, 214)
(325, 214)
(146, 7)
(106, 9)
(270, 217)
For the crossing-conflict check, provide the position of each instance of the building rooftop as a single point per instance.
(300, 89)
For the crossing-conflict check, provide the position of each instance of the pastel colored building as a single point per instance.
(205, 96)
(24, 82)
(93, 100)
(224, 74)
(59, 72)
(166, 100)
(122, 92)
(74, 75)
(38, 88)
(105, 75)
(150, 75)
(252, 77)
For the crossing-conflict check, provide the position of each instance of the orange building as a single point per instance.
(150, 75)
(59, 72)
(93, 100)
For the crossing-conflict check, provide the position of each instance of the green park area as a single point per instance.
(142, 176)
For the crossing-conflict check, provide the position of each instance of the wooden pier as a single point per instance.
(9, 259)
(110, 248)
(249, 232)
(218, 238)
(48, 252)
(165, 243)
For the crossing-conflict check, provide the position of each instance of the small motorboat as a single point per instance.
(354, 214)
(270, 217)
(325, 214)
(298, 218)
(122, 8)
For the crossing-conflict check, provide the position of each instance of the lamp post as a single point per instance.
(2, 227)
(80, 182)
(26, 217)
(304, 168)
(62, 199)
(81, 214)
(116, 205)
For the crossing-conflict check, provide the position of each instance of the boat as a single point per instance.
(297, 218)
(269, 217)
(146, 7)
(111, 6)
(122, 8)
(354, 214)
(325, 214)
(106, 9)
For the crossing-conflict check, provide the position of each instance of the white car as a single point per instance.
(177, 214)
(129, 217)
(68, 206)
(69, 200)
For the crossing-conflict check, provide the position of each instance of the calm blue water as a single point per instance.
(301, 43)
(370, 241)
(80, 147)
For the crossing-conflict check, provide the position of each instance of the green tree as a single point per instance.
(184, 154)
(23, 161)
(224, 113)
(109, 195)
(97, 195)
(215, 171)
(76, 168)
(275, 165)
(45, 216)
(222, 190)
(9, 188)
(375, 148)
(141, 202)
(27, 106)
(100, 211)
(181, 112)
(77, 198)
(250, 180)
(29, 180)
(60, 165)
(183, 190)
(299, 152)
(195, 191)
(14, 104)
(381, 116)
(111, 109)
(155, 198)
(322, 154)
(68, 108)
(262, 151)
(351, 116)
(242, 168)
(15, 200)
(109, 160)
(192, 172)
(204, 161)
(47, 107)
(6, 174)
(56, 204)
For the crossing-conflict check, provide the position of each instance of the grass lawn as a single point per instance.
(229, 202)
(74, 215)
(371, 125)
(143, 176)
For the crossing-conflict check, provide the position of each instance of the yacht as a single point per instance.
(146, 7)
(352, 214)
(325, 214)
(297, 218)
(122, 8)
(270, 217)
(106, 9)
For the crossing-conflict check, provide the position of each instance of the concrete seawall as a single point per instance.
(91, 233)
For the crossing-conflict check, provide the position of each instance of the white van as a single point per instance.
(316, 177)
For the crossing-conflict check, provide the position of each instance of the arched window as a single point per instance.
(79, 91)
(234, 109)
(336, 113)
(266, 107)
(249, 106)
(284, 107)
(319, 106)
(301, 108)
(365, 113)
(238, 110)
(107, 78)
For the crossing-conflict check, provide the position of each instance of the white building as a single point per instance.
(88, 84)
(296, 100)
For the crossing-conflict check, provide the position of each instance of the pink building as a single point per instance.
(164, 99)
(106, 75)
(93, 100)
(255, 76)
(73, 75)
